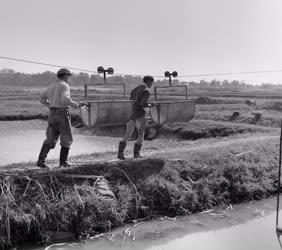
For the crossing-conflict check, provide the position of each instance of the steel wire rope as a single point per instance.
(140, 75)
(232, 73)
(47, 64)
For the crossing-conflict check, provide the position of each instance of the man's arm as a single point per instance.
(43, 98)
(145, 98)
(66, 99)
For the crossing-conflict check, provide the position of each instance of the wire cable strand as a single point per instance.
(139, 75)
(47, 64)
(232, 73)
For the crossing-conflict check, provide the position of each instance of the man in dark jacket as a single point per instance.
(140, 97)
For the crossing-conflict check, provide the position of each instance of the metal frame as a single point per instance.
(165, 87)
(100, 85)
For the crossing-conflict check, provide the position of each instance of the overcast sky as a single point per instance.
(146, 36)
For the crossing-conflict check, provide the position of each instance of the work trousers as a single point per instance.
(59, 125)
(140, 124)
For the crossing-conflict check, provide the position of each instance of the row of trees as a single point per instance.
(9, 77)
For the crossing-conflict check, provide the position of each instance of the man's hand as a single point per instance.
(150, 105)
(82, 104)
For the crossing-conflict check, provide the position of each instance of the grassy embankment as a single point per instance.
(34, 203)
(270, 111)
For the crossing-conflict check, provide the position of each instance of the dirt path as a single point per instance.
(167, 149)
(177, 148)
(171, 148)
(206, 144)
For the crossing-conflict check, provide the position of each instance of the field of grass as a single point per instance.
(24, 101)
(270, 110)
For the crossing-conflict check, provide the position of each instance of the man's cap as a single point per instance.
(63, 71)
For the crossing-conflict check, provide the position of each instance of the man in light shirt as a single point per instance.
(57, 98)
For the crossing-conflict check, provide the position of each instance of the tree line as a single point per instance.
(9, 77)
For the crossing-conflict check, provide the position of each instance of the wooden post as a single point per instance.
(124, 90)
(186, 89)
(155, 93)
(85, 92)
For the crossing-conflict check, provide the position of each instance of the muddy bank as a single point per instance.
(197, 129)
(22, 117)
(192, 130)
(75, 118)
(142, 189)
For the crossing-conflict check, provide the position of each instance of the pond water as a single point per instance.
(21, 141)
(249, 226)
(257, 234)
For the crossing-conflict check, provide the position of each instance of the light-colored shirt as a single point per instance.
(57, 95)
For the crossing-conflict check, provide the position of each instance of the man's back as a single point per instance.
(53, 94)
(57, 95)
(138, 92)
(139, 96)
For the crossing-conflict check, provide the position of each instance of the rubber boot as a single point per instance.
(42, 156)
(137, 148)
(121, 148)
(64, 157)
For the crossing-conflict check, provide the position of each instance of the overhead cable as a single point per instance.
(232, 73)
(47, 64)
(139, 75)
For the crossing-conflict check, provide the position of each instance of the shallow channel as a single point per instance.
(249, 226)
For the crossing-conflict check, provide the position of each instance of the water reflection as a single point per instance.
(258, 234)
(246, 227)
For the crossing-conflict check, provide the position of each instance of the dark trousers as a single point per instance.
(58, 125)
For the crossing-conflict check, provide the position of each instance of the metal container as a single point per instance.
(118, 112)
(173, 111)
(106, 113)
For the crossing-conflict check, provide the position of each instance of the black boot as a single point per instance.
(64, 157)
(137, 148)
(42, 156)
(121, 148)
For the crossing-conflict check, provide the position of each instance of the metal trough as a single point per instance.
(168, 111)
(106, 113)
(118, 112)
